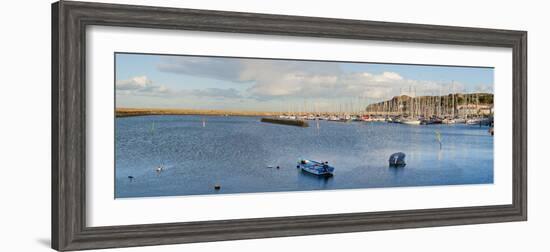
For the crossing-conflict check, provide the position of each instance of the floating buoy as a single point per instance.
(159, 169)
(131, 178)
(278, 167)
(217, 187)
(397, 159)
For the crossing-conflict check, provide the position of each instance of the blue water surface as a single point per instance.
(236, 153)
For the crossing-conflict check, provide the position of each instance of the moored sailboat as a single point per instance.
(410, 121)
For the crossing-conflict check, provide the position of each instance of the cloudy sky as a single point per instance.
(161, 81)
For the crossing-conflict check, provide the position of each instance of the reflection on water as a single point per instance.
(241, 154)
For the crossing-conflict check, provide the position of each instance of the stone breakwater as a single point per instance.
(299, 123)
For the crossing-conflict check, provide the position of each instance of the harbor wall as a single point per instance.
(299, 123)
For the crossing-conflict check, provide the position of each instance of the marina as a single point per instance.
(454, 108)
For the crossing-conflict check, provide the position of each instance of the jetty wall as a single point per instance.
(299, 123)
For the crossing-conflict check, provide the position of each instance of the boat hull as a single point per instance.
(411, 122)
(310, 172)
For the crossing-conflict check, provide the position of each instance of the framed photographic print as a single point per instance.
(178, 125)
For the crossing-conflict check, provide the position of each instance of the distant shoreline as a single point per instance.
(130, 112)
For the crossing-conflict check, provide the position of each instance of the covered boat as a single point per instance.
(316, 168)
(397, 159)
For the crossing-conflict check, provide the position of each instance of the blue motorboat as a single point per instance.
(316, 168)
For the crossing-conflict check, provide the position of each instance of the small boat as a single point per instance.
(380, 119)
(432, 120)
(397, 119)
(397, 159)
(333, 118)
(460, 120)
(411, 121)
(435, 120)
(448, 121)
(316, 168)
(479, 121)
(367, 118)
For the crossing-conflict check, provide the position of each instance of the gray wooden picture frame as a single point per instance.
(69, 22)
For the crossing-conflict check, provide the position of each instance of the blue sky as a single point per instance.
(164, 81)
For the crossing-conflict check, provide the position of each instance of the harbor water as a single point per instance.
(244, 155)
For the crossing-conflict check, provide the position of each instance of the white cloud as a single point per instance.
(272, 79)
(143, 86)
(134, 83)
(140, 85)
(215, 68)
(360, 84)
